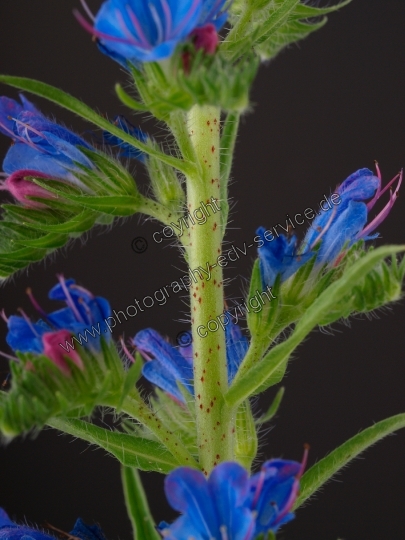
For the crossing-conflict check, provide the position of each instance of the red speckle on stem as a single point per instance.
(213, 149)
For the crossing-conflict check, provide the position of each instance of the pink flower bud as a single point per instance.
(206, 38)
(21, 188)
(58, 346)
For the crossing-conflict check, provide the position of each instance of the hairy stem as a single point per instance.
(215, 421)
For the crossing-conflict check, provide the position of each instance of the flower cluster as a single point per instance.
(82, 310)
(167, 366)
(230, 505)
(44, 149)
(334, 229)
(133, 31)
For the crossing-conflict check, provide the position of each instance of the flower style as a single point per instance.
(12, 531)
(230, 505)
(166, 365)
(45, 336)
(41, 145)
(337, 227)
(146, 31)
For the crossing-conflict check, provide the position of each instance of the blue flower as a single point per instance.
(273, 492)
(166, 365)
(10, 109)
(230, 505)
(126, 149)
(83, 311)
(12, 531)
(212, 509)
(39, 144)
(149, 30)
(337, 227)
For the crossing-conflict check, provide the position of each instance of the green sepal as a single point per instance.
(129, 450)
(273, 409)
(267, 27)
(165, 183)
(133, 375)
(129, 101)
(139, 513)
(40, 391)
(177, 418)
(246, 441)
(323, 471)
(211, 80)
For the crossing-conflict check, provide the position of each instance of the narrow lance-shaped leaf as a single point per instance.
(76, 106)
(323, 471)
(129, 450)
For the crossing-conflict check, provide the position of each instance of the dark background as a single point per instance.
(323, 109)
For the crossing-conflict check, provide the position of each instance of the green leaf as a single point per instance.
(273, 409)
(323, 471)
(129, 450)
(247, 382)
(77, 106)
(137, 505)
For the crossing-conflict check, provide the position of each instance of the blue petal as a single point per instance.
(20, 156)
(157, 374)
(9, 109)
(86, 532)
(41, 124)
(150, 33)
(5, 521)
(212, 13)
(344, 230)
(126, 149)
(229, 487)
(236, 348)
(359, 186)
(187, 492)
(153, 344)
(11, 531)
(24, 337)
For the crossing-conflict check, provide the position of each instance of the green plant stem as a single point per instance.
(215, 420)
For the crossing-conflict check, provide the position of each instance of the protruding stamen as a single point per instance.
(224, 532)
(27, 320)
(91, 30)
(386, 210)
(69, 299)
(35, 303)
(168, 17)
(9, 357)
(304, 460)
(3, 316)
(324, 230)
(381, 192)
(137, 27)
(83, 290)
(126, 351)
(87, 10)
(259, 487)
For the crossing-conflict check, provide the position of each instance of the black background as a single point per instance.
(322, 109)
